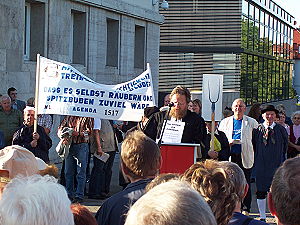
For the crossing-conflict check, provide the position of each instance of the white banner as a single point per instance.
(64, 90)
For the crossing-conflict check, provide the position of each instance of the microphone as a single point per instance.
(171, 104)
(165, 108)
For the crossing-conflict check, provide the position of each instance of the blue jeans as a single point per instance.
(101, 175)
(76, 161)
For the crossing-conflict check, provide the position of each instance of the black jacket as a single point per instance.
(23, 137)
(224, 153)
(193, 129)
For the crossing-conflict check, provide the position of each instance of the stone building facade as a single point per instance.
(108, 40)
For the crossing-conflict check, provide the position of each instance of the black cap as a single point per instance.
(148, 111)
(268, 108)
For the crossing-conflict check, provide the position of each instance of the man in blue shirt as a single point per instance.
(140, 162)
(238, 129)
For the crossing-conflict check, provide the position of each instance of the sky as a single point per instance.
(292, 7)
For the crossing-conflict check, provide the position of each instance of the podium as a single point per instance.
(177, 158)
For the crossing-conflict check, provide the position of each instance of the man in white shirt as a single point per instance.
(238, 129)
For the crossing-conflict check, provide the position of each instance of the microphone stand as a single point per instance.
(164, 124)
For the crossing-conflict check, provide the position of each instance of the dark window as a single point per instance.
(112, 40)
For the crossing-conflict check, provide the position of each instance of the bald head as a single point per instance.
(238, 108)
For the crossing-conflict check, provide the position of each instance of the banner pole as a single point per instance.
(37, 84)
(150, 73)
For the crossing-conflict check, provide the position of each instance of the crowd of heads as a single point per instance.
(207, 193)
(210, 192)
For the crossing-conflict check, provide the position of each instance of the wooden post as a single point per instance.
(212, 132)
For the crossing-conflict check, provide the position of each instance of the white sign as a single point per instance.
(173, 132)
(212, 94)
(64, 90)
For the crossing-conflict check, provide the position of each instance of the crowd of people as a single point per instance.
(262, 146)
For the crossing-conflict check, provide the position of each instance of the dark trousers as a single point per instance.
(101, 175)
(236, 158)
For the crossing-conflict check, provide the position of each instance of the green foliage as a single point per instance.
(264, 76)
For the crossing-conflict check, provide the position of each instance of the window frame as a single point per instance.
(26, 49)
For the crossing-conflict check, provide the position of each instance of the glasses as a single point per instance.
(178, 103)
(296, 118)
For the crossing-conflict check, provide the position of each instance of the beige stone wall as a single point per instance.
(20, 73)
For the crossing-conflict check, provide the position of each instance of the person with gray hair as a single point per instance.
(284, 196)
(294, 135)
(10, 119)
(35, 200)
(238, 129)
(182, 205)
(38, 142)
(236, 175)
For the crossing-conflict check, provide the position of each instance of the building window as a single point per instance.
(27, 31)
(112, 40)
(139, 47)
(78, 37)
(34, 30)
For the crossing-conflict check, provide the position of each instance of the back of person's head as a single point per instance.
(140, 156)
(212, 182)
(162, 178)
(237, 176)
(171, 203)
(35, 200)
(82, 216)
(284, 198)
(180, 90)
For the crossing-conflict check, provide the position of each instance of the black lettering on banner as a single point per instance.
(70, 99)
(111, 112)
(138, 105)
(84, 109)
(111, 103)
(52, 89)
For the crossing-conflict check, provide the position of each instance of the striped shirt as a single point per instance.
(79, 124)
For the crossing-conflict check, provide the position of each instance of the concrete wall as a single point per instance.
(20, 73)
(54, 26)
